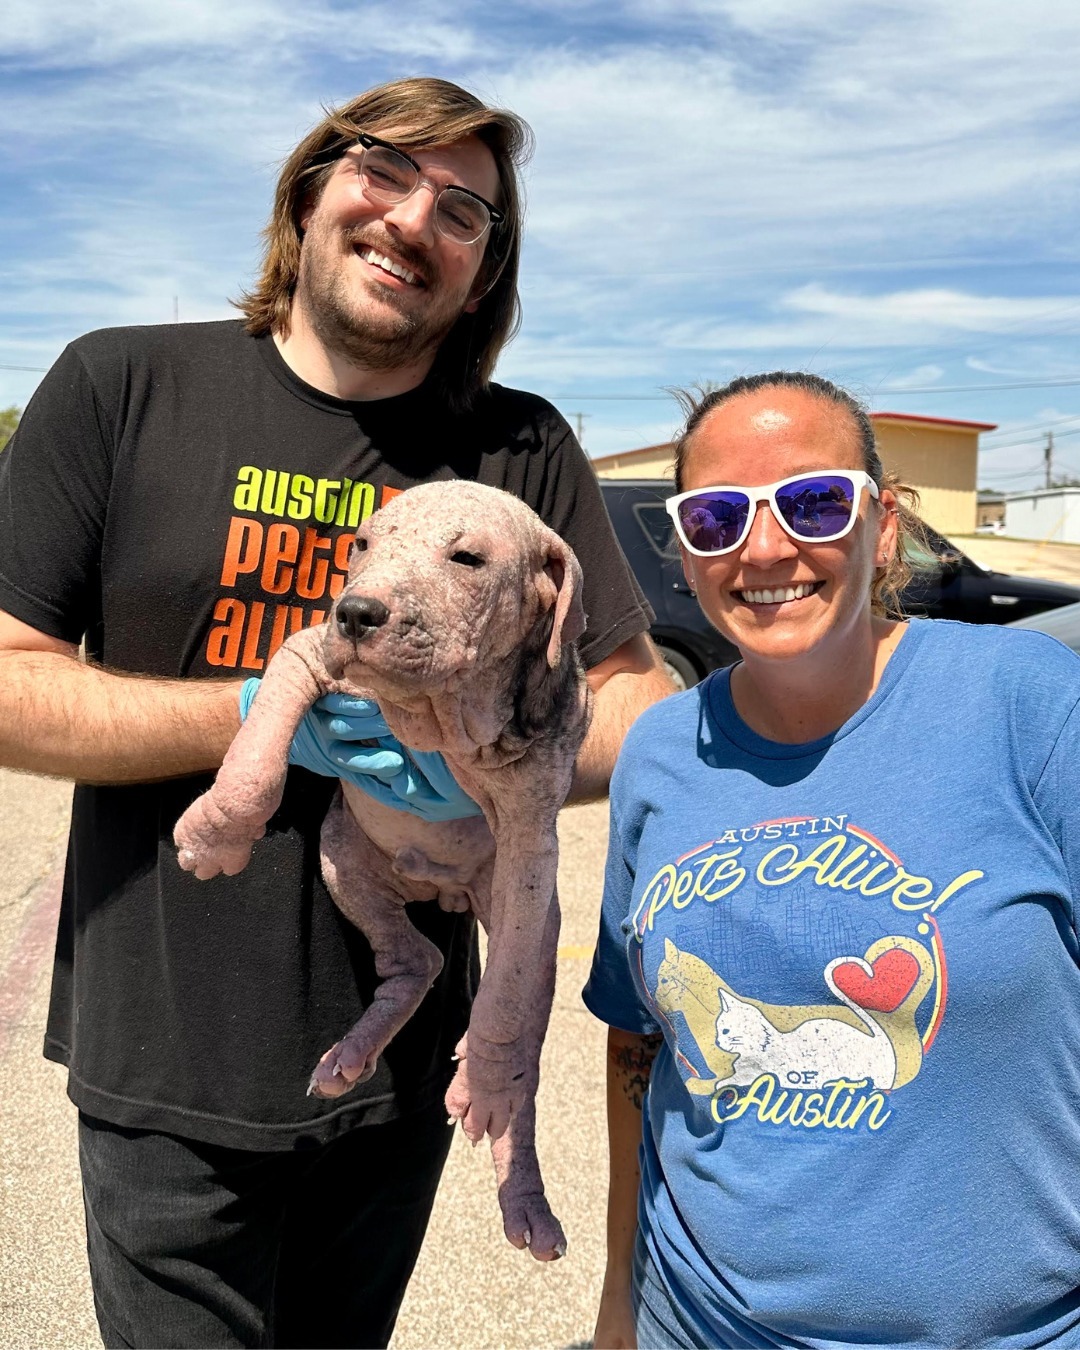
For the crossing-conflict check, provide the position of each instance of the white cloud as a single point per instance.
(814, 316)
(70, 32)
(921, 375)
(1035, 361)
(717, 183)
(908, 131)
(938, 309)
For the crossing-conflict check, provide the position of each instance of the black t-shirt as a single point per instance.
(181, 499)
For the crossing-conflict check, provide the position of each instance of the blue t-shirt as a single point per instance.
(863, 1127)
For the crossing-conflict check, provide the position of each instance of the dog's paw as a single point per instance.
(211, 862)
(341, 1068)
(529, 1223)
(208, 842)
(482, 1110)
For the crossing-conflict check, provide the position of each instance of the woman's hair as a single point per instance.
(911, 539)
(421, 113)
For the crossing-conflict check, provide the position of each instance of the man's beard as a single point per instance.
(383, 341)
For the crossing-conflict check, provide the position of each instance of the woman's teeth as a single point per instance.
(380, 260)
(778, 594)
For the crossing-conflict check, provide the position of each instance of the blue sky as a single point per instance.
(887, 193)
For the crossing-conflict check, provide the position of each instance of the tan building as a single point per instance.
(651, 461)
(936, 455)
(940, 457)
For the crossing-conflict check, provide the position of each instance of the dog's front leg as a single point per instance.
(527, 1217)
(216, 833)
(492, 1084)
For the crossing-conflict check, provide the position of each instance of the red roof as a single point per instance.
(937, 421)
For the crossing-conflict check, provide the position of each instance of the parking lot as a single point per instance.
(1028, 557)
(471, 1289)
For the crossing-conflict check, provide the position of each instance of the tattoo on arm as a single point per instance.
(632, 1066)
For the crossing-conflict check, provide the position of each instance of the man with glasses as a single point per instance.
(184, 497)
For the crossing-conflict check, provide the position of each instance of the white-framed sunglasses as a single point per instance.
(811, 507)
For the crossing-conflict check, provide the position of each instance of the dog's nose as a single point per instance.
(356, 614)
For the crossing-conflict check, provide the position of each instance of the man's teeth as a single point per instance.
(388, 265)
(774, 597)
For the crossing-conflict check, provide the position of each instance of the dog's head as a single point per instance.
(448, 584)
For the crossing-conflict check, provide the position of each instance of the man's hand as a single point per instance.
(346, 737)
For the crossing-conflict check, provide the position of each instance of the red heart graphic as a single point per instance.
(895, 973)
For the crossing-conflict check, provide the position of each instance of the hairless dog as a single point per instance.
(459, 616)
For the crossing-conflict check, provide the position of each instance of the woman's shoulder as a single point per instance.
(979, 644)
(668, 727)
(1020, 667)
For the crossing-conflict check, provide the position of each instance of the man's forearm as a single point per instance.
(63, 717)
(623, 687)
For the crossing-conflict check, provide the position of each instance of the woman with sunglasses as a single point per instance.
(838, 954)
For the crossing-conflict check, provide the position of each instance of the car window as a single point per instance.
(656, 523)
(918, 555)
(940, 553)
(1064, 624)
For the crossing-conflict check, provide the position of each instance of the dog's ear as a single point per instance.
(564, 570)
(545, 678)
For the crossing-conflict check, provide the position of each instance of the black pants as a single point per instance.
(195, 1245)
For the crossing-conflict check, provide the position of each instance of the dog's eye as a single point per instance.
(467, 559)
(358, 545)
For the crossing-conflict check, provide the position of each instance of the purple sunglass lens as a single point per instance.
(714, 520)
(818, 506)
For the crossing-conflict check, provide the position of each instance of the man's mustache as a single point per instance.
(413, 258)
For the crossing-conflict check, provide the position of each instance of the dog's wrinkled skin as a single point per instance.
(459, 616)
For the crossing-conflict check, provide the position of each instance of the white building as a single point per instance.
(1045, 514)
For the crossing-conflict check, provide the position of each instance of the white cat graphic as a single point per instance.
(817, 1051)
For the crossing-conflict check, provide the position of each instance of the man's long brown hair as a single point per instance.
(421, 113)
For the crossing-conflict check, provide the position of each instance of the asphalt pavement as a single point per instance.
(471, 1289)
(1028, 557)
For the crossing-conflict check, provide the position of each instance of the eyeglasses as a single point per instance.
(811, 507)
(388, 174)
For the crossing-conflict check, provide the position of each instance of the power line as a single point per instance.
(997, 478)
(1031, 471)
(1028, 444)
(927, 389)
(1037, 425)
(664, 398)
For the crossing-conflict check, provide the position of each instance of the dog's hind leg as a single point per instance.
(364, 888)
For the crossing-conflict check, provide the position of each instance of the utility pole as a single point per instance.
(579, 419)
(1048, 456)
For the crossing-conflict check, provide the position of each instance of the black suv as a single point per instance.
(947, 585)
